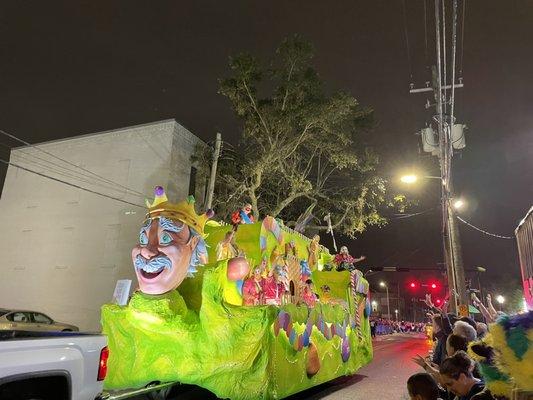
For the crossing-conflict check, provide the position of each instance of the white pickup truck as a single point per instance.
(52, 365)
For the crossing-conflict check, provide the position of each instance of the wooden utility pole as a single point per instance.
(212, 178)
(444, 123)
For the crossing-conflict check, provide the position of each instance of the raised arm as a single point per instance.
(491, 308)
(488, 317)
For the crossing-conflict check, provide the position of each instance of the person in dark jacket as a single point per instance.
(456, 376)
(422, 386)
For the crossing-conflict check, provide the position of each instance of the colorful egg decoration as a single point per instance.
(345, 350)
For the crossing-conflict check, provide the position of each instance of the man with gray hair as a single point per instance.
(465, 330)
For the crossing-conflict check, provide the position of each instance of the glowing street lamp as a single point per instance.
(500, 299)
(383, 284)
(396, 312)
(458, 204)
(409, 179)
(412, 178)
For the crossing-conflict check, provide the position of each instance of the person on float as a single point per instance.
(313, 248)
(326, 294)
(344, 261)
(172, 246)
(226, 248)
(273, 286)
(252, 290)
(243, 215)
(308, 294)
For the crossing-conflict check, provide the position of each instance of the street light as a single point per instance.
(383, 284)
(500, 299)
(409, 179)
(396, 312)
(412, 178)
(450, 240)
(374, 305)
(458, 204)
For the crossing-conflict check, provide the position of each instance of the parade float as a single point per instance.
(246, 310)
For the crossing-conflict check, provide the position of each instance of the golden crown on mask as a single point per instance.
(183, 211)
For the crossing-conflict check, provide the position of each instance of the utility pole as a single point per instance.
(443, 149)
(212, 178)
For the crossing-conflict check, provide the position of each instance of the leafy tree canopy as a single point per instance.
(302, 150)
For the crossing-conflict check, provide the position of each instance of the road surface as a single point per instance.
(384, 378)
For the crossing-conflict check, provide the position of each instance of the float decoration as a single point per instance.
(211, 332)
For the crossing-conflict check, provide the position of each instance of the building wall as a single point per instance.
(63, 248)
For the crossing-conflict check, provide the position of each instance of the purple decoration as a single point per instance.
(210, 213)
(292, 337)
(289, 328)
(309, 327)
(288, 319)
(327, 332)
(341, 331)
(345, 350)
(300, 343)
(283, 319)
(159, 191)
(305, 338)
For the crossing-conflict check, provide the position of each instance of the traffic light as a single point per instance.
(412, 285)
(433, 286)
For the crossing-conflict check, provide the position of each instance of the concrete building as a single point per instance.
(63, 249)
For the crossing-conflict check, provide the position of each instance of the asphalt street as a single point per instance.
(383, 378)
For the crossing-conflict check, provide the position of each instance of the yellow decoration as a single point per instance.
(520, 370)
(183, 211)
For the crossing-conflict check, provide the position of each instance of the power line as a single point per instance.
(61, 169)
(407, 40)
(463, 37)
(483, 231)
(444, 51)
(405, 216)
(425, 34)
(69, 184)
(68, 173)
(70, 163)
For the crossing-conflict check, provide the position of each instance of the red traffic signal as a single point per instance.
(433, 286)
(412, 285)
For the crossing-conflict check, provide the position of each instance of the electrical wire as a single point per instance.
(59, 169)
(70, 163)
(50, 166)
(407, 40)
(425, 34)
(66, 174)
(454, 48)
(444, 64)
(68, 183)
(405, 216)
(462, 37)
(483, 231)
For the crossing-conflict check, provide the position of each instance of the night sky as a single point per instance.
(76, 67)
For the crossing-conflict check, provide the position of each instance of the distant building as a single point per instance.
(63, 249)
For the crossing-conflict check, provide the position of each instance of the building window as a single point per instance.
(192, 182)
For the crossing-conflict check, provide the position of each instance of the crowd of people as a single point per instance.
(453, 369)
(383, 326)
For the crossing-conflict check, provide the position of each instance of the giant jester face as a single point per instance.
(162, 259)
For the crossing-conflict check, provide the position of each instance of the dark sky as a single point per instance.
(75, 67)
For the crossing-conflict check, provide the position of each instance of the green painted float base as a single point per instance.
(230, 350)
